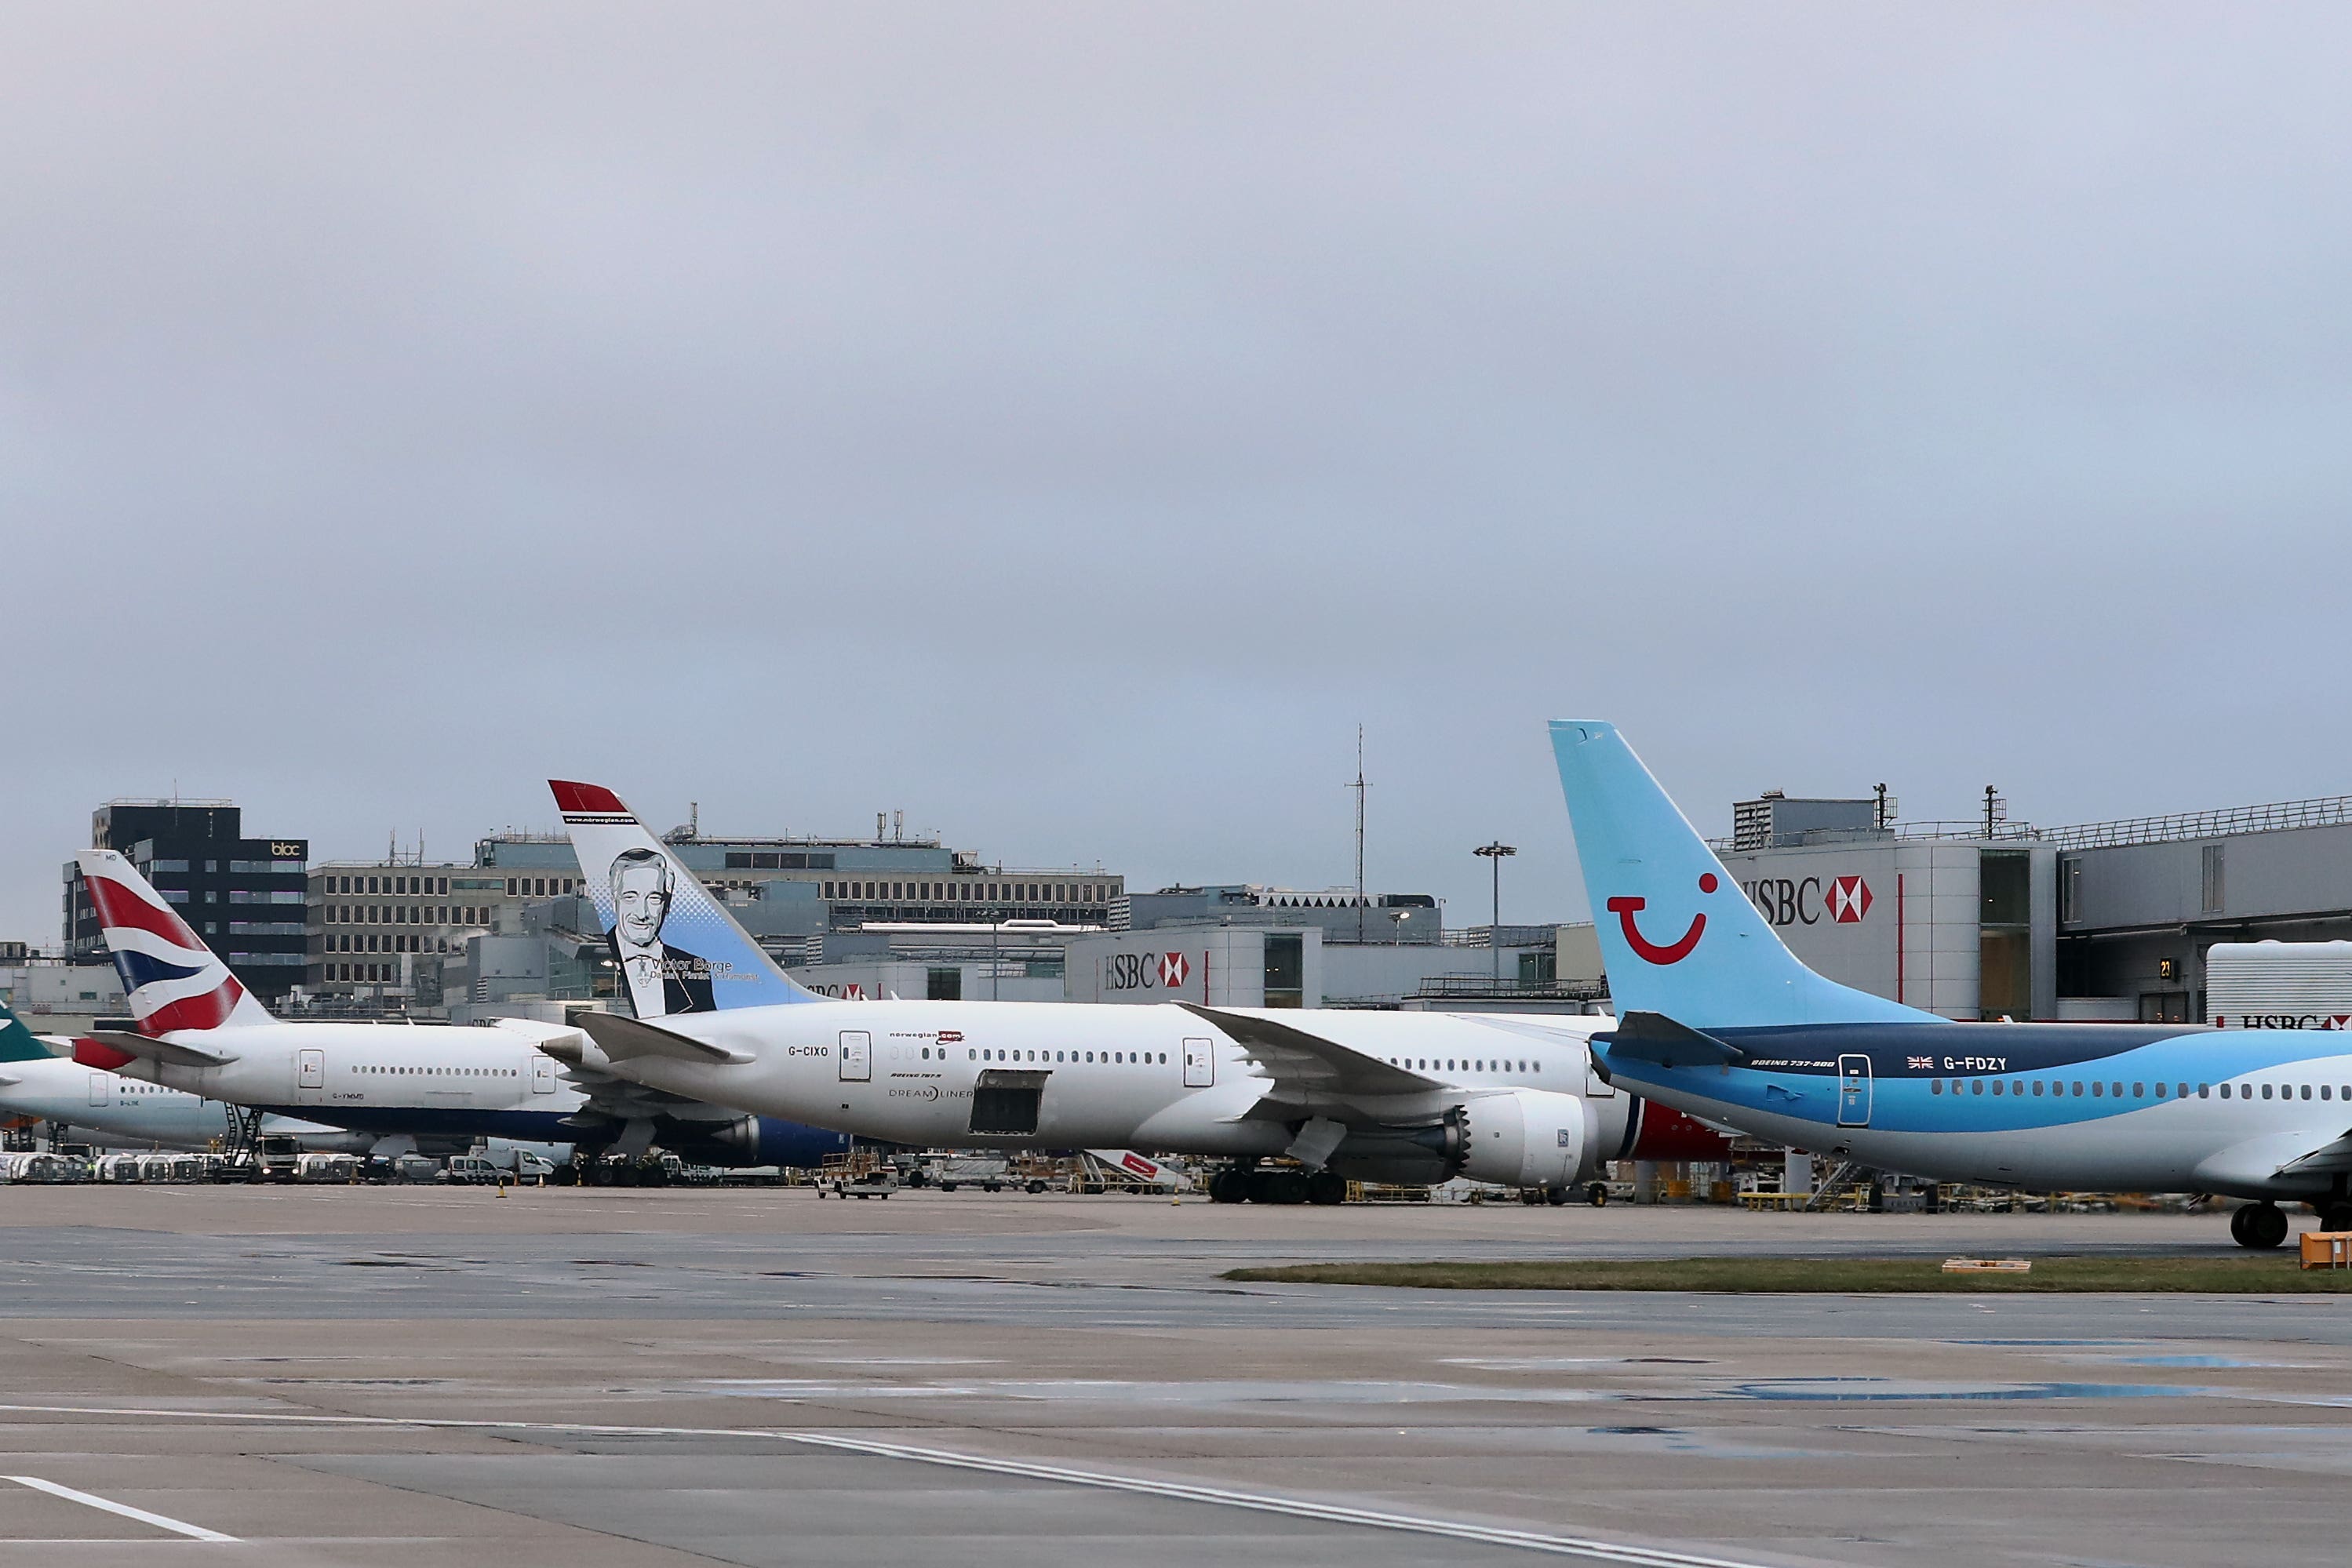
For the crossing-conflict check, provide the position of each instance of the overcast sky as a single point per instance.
(1067, 423)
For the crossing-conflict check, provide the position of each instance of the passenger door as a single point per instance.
(542, 1073)
(1853, 1091)
(310, 1077)
(856, 1056)
(100, 1090)
(1200, 1064)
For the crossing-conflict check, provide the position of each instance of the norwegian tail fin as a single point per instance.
(175, 980)
(679, 950)
(1678, 937)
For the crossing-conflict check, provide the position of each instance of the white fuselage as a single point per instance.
(1154, 1078)
(406, 1077)
(109, 1110)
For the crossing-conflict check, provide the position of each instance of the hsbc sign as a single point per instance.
(1810, 900)
(1145, 971)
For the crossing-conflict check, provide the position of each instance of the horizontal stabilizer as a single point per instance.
(1655, 1037)
(627, 1039)
(170, 1053)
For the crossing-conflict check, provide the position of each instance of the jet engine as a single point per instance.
(1528, 1137)
(1525, 1138)
(751, 1141)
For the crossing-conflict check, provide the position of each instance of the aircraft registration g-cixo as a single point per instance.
(410, 1086)
(1718, 1017)
(109, 1111)
(1401, 1097)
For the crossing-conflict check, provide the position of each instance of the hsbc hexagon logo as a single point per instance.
(1173, 968)
(1849, 900)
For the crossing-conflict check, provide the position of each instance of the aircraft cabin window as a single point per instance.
(2204, 1091)
(2159, 1090)
(2139, 1092)
(2323, 1091)
(2225, 1092)
(2095, 1088)
(1976, 1085)
(2306, 1092)
(1936, 1087)
(2037, 1089)
(2266, 1091)
(1996, 1086)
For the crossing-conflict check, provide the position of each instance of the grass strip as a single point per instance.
(2263, 1274)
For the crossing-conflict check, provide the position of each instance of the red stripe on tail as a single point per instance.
(572, 797)
(207, 1012)
(118, 906)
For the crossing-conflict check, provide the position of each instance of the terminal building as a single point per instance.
(2099, 921)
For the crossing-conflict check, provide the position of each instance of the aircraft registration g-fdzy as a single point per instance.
(1718, 1018)
(1402, 1097)
(407, 1085)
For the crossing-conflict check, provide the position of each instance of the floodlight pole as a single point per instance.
(1493, 854)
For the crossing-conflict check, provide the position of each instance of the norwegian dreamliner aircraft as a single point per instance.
(111, 1112)
(1719, 1019)
(1404, 1097)
(407, 1084)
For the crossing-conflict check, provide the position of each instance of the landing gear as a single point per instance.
(1597, 1195)
(2335, 1214)
(1277, 1187)
(1327, 1186)
(1230, 1184)
(2261, 1226)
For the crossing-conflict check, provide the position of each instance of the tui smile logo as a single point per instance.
(1673, 952)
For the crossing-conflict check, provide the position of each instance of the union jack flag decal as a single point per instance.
(174, 981)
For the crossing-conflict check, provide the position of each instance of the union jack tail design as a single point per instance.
(175, 980)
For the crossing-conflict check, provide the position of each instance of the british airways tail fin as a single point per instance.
(679, 950)
(175, 982)
(1678, 937)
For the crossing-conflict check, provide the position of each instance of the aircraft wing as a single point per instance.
(2327, 1159)
(1304, 1065)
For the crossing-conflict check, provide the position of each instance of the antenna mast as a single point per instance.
(1358, 788)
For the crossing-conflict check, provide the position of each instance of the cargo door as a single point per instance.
(1006, 1104)
(856, 1056)
(1853, 1091)
(543, 1074)
(310, 1077)
(1200, 1064)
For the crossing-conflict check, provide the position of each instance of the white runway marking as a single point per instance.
(1592, 1550)
(192, 1531)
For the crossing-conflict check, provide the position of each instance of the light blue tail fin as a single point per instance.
(1677, 935)
(678, 949)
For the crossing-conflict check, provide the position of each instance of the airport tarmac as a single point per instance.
(439, 1377)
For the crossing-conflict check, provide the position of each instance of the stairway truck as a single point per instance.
(2279, 985)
